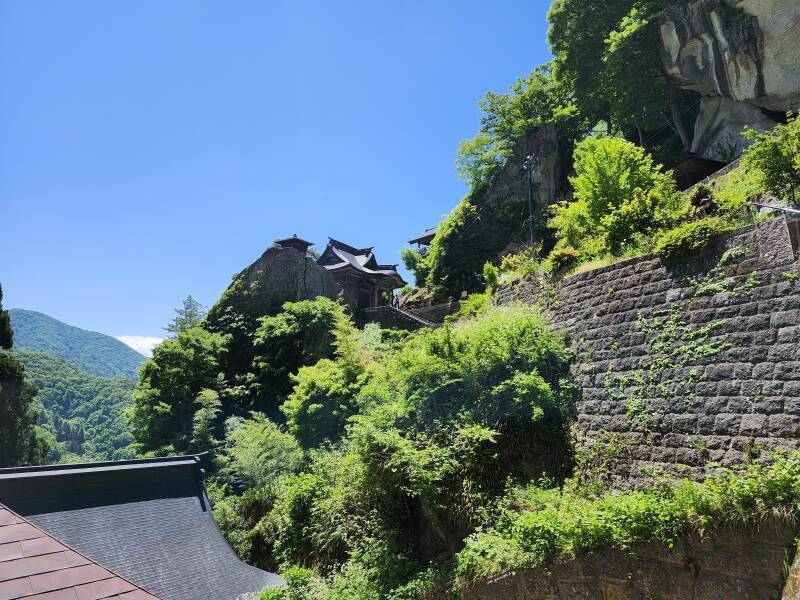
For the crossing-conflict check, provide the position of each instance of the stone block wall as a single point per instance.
(744, 565)
(685, 362)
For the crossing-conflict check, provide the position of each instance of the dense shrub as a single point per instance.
(690, 237)
(472, 306)
(621, 198)
(445, 417)
(535, 525)
(564, 258)
(300, 335)
(257, 452)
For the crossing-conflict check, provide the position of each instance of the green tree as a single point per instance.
(621, 196)
(324, 395)
(20, 441)
(300, 335)
(208, 407)
(775, 158)
(530, 103)
(607, 52)
(258, 453)
(417, 262)
(190, 314)
(164, 402)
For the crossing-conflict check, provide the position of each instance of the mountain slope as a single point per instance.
(95, 353)
(84, 413)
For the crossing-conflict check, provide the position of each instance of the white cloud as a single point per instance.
(141, 343)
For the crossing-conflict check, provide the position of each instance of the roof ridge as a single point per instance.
(110, 464)
(347, 247)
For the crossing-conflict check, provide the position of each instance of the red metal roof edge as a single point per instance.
(70, 548)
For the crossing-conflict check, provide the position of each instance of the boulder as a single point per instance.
(719, 126)
(741, 56)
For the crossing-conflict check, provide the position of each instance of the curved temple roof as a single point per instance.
(149, 521)
(338, 255)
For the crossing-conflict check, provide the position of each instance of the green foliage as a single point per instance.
(490, 275)
(532, 102)
(564, 258)
(94, 353)
(323, 400)
(479, 228)
(607, 52)
(775, 157)
(690, 237)
(190, 314)
(300, 335)
(621, 198)
(418, 263)
(162, 415)
(474, 305)
(257, 452)
(86, 414)
(536, 525)
(20, 441)
(435, 426)
(208, 406)
(734, 190)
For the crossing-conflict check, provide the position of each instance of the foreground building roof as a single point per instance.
(36, 566)
(144, 523)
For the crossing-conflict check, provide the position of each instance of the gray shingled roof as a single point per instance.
(148, 520)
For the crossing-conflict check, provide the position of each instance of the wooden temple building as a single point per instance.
(365, 282)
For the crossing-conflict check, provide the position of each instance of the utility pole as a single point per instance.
(528, 165)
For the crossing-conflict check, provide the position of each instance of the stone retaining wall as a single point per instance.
(743, 565)
(688, 362)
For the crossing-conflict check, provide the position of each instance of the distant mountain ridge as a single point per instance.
(84, 413)
(95, 353)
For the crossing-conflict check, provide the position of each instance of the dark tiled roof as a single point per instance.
(148, 520)
(424, 238)
(36, 566)
(338, 256)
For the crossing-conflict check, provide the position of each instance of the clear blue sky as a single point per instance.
(151, 149)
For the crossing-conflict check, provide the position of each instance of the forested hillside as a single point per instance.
(84, 413)
(93, 352)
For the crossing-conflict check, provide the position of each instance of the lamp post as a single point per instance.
(528, 165)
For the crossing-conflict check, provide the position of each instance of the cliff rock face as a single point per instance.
(508, 192)
(279, 275)
(742, 56)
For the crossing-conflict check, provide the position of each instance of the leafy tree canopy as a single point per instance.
(775, 158)
(164, 402)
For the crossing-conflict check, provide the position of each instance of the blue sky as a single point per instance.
(152, 149)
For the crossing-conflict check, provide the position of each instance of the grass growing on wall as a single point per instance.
(534, 525)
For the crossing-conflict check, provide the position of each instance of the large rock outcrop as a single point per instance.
(742, 56)
(496, 221)
(279, 275)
